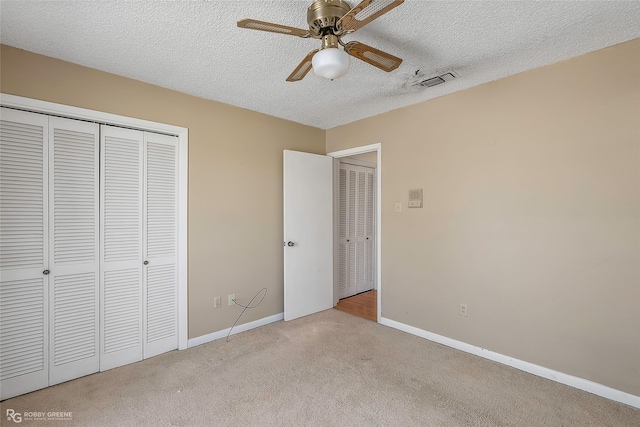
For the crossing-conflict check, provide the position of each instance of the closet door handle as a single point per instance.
(46, 272)
(146, 263)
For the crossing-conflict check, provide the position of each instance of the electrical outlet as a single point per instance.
(217, 302)
(231, 298)
(463, 310)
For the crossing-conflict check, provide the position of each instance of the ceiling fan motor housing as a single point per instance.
(323, 15)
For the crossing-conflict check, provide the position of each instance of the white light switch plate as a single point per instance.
(398, 206)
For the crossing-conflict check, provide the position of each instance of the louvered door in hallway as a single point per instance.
(356, 229)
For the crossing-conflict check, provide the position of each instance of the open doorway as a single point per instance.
(357, 228)
(363, 305)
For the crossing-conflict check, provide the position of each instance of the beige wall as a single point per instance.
(532, 215)
(235, 177)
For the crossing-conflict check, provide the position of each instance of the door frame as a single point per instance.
(51, 108)
(377, 147)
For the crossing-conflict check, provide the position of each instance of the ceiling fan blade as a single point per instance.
(383, 60)
(365, 12)
(303, 68)
(253, 24)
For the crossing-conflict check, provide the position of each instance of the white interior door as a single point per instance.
(370, 232)
(74, 255)
(356, 228)
(160, 243)
(121, 247)
(76, 225)
(346, 233)
(308, 234)
(24, 289)
(366, 221)
(139, 245)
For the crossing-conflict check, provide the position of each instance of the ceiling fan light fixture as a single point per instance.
(329, 20)
(330, 63)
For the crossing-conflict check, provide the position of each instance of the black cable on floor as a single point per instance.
(245, 307)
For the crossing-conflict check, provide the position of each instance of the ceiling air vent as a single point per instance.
(436, 80)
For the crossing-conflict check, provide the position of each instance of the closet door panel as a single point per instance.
(121, 247)
(370, 231)
(24, 350)
(74, 256)
(23, 253)
(360, 231)
(356, 228)
(160, 244)
(343, 250)
(352, 283)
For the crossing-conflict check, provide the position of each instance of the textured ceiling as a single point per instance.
(195, 47)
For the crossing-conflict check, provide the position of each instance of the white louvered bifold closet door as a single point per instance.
(361, 264)
(83, 209)
(160, 239)
(356, 225)
(24, 289)
(343, 248)
(352, 245)
(74, 256)
(139, 246)
(121, 246)
(370, 228)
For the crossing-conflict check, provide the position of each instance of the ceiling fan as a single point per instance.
(329, 20)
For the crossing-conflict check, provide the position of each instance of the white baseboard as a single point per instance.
(238, 328)
(550, 374)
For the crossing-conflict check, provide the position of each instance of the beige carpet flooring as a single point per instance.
(328, 369)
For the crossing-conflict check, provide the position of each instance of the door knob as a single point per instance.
(146, 262)
(46, 272)
(290, 243)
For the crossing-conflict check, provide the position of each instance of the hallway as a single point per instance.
(363, 305)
